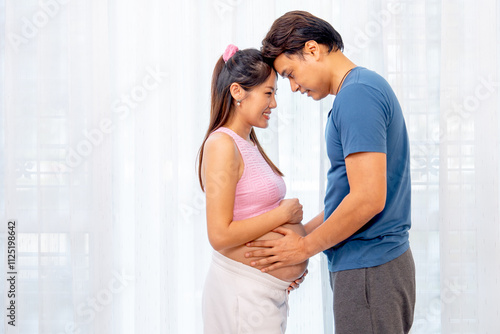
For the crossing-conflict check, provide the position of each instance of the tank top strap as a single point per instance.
(243, 146)
(259, 188)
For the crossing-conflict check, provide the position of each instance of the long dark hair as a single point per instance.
(248, 69)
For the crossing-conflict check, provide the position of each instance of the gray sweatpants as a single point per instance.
(376, 300)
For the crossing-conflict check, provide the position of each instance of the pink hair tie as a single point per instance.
(230, 51)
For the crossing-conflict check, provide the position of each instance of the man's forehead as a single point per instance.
(282, 64)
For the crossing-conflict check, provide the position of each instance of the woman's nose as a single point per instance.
(273, 103)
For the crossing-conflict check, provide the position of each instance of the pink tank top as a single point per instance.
(259, 189)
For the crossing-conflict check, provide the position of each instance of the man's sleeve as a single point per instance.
(362, 120)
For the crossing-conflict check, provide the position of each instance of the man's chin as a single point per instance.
(317, 97)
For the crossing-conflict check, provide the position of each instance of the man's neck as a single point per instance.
(338, 66)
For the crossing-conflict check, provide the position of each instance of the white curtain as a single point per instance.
(104, 105)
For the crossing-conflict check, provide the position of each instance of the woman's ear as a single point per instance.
(237, 92)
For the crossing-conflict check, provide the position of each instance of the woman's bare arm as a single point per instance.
(221, 172)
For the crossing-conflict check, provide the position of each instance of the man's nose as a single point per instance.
(293, 85)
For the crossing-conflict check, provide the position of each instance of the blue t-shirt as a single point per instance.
(366, 117)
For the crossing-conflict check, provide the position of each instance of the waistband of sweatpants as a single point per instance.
(241, 269)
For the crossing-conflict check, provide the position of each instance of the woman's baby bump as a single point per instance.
(288, 274)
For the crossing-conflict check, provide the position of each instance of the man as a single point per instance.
(364, 226)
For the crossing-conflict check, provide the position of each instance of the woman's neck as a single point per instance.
(243, 130)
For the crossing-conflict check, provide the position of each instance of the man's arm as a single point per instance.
(366, 173)
(314, 223)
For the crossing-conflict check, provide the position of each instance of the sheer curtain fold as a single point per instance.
(469, 194)
(104, 105)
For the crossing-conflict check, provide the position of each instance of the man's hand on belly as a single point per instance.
(278, 253)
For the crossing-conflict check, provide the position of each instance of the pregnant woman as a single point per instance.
(245, 201)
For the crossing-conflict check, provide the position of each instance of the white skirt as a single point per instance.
(239, 299)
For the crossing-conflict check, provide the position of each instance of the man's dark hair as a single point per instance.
(290, 32)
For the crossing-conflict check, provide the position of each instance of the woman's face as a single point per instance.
(256, 106)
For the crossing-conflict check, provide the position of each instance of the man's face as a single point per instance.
(306, 74)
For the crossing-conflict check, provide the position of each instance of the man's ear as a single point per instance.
(237, 92)
(312, 48)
